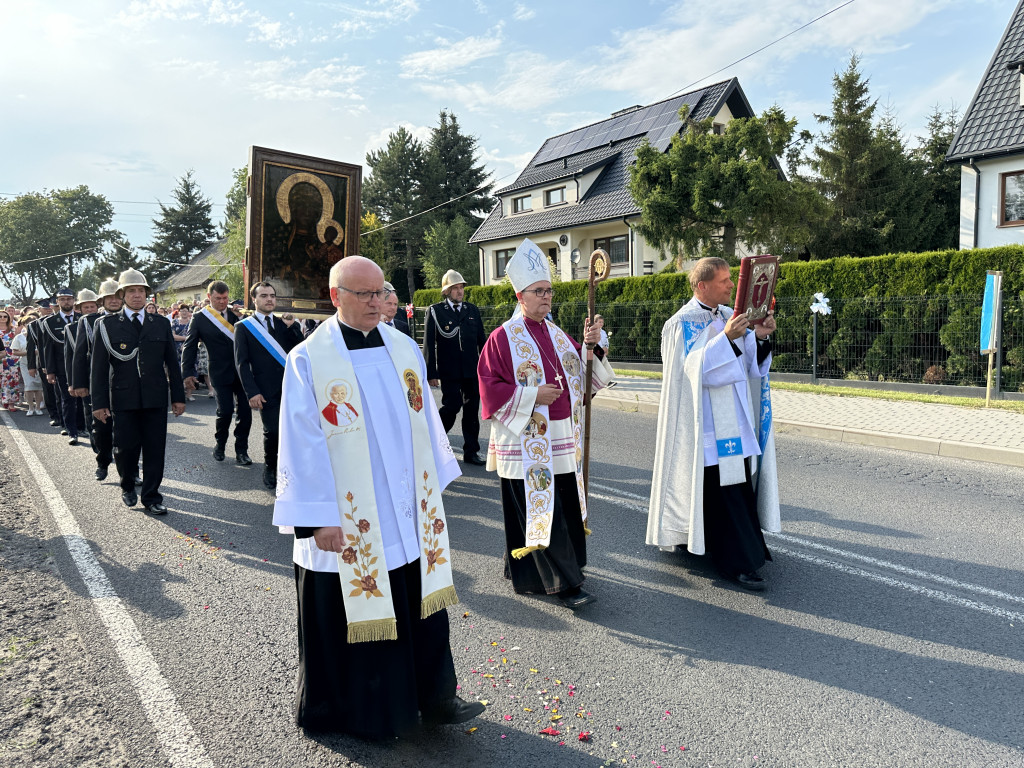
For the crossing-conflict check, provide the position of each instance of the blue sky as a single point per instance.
(126, 96)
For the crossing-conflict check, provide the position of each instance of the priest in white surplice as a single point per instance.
(362, 495)
(532, 385)
(715, 442)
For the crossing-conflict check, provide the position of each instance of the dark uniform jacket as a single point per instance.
(34, 347)
(453, 341)
(53, 335)
(81, 363)
(259, 371)
(218, 344)
(141, 381)
(401, 323)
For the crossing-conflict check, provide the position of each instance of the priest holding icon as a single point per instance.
(715, 485)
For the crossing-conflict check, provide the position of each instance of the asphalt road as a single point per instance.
(890, 634)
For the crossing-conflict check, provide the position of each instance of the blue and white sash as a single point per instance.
(262, 335)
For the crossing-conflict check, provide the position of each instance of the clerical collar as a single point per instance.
(356, 339)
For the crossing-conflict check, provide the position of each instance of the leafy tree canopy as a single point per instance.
(46, 237)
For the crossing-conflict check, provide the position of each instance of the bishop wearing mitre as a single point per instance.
(715, 486)
(360, 487)
(532, 386)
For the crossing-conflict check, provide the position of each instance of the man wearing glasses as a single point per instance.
(361, 470)
(452, 344)
(532, 377)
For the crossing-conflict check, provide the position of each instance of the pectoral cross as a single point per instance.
(558, 378)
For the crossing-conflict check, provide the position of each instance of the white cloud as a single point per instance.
(374, 16)
(524, 86)
(288, 80)
(522, 13)
(451, 57)
(379, 140)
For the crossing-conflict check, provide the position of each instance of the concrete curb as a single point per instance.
(970, 451)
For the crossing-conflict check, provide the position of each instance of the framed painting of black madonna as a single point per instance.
(302, 216)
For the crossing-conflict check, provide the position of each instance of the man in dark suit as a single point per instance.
(129, 358)
(56, 374)
(261, 342)
(215, 327)
(454, 338)
(101, 434)
(389, 314)
(34, 351)
(85, 304)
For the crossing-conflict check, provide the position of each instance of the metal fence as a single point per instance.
(916, 339)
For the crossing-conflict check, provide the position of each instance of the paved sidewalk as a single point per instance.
(944, 430)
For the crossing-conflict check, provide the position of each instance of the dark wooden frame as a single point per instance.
(497, 260)
(255, 231)
(517, 199)
(1002, 200)
(547, 196)
(607, 247)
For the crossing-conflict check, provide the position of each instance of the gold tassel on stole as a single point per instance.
(371, 631)
(437, 601)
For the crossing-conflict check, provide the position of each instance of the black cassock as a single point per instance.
(374, 690)
(559, 568)
(732, 531)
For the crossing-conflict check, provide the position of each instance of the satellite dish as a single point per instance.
(574, 257)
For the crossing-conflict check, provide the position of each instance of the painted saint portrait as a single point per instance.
(303, 218)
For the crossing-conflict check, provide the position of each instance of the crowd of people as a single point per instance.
(357, 453)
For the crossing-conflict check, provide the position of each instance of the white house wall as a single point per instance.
(990, 234)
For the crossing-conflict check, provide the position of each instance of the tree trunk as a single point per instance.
(729, 242)
(410, 268)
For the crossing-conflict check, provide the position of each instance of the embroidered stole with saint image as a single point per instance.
(365, 586)
(538, 458)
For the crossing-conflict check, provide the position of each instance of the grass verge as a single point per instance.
(1014, 406)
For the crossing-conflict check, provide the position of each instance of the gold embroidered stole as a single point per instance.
(366, 588)
(538, 458)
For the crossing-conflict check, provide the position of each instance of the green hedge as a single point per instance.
(930, 339)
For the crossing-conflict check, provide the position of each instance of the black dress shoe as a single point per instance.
(130, 498)
(243, 459)
(472, 458)
(64, 432)
(749, 581)
(101, 473)
(270, 478)
(138, 480)
(54, 423)
(218, 453)
(453, 711)
(578, 600)
(73, 440)
(156, 509)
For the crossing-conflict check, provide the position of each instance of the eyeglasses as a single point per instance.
(541, 293)
(365, 296)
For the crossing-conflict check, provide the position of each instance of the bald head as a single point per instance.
(353, 268)
(351, 277)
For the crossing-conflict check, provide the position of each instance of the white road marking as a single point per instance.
(945, 597)
(179, 741)
(621, 492)
(898, 568)
(937, 594)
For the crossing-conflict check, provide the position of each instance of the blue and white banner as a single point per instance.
(262, 335)
(990, 311)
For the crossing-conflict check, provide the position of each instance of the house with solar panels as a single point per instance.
(989, 145)
(574, 196)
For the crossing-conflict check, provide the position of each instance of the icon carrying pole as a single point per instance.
(599, 263)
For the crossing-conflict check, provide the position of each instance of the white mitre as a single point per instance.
(527, 266)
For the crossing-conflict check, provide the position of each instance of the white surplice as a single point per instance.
(305, 494)
(686, 441)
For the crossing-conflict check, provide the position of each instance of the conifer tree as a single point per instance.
(184, 229)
